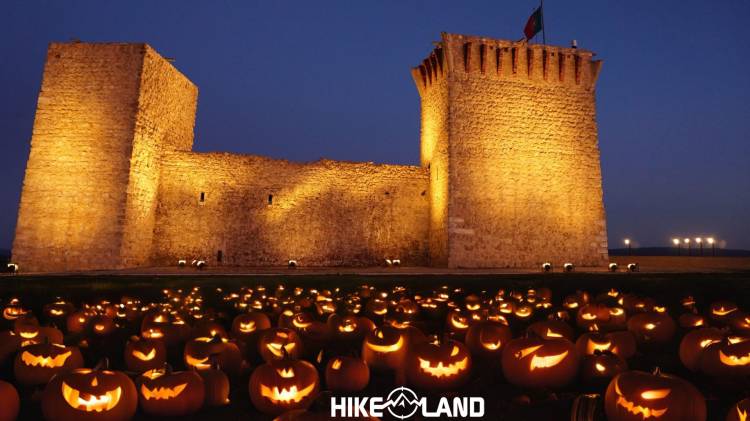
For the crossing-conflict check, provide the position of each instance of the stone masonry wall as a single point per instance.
(72, 203)
(261, 211)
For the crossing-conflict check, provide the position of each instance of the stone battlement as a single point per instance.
(516, 61)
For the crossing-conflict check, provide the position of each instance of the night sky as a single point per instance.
(310, 79)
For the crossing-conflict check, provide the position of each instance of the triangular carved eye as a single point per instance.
(94, 382)
(526, 351)
(454, 351)
(656, 394)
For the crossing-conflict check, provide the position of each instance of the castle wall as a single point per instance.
(261, 211)
(72, 209)
(525, 180)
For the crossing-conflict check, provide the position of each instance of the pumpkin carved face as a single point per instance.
(695, 342)
(346, 374)
(385, 348)
(652, 328)
(538, 363)
(729, 357)
(636, 395)
(280, 386)
(486, 339)
(143, 354)
(279, 343)
(620, 343)
(438, 366)
(37, 364)
(249, 325)
(163, 393)
(90, 395)
(199, 351)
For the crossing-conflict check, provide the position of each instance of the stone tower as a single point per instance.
(509, 136)
(106, 113)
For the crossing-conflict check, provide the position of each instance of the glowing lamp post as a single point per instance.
(627, 243)
(700, 243)
(676, 242)
(712, 242)
(687, 244)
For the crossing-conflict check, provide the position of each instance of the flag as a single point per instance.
(534, 24)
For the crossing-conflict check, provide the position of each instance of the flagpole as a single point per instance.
(541, 10)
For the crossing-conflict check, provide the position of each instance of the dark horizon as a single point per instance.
(304, 81)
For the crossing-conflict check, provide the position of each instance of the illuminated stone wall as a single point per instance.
(261, 211)
(104, 115)
(525, 181)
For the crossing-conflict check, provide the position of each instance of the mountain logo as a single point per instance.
(402, 402)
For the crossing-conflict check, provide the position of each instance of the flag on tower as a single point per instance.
(534, 24)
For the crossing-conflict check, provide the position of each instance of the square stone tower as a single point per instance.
(509, 135)
(105, 115)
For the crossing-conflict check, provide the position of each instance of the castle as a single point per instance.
(509, 175)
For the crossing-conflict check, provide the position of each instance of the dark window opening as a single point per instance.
(219, 256)
(270, 199)
(387, 193)
(203, 197)
(424, 192)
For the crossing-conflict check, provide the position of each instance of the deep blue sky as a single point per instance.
(309, 79)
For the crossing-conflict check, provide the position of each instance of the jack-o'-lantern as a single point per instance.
(283, 385)
(27, 327)
(76, 321)
(385, 348)
(102, 325)
(652, 328)
(720, 311)
(539, 363)
(739, 411)
(739, 321)
(639, 396)
(487, 339)
(695, 342)
(89, 395)
(346, 374)
(14, 310)
(10, 402)
(592, 314)
(599, 368)
(36, 364)
(58, 310)
(162, 325)
(349, 328)
(208, 329)
(279, 343)
(216, 384)
(691, 320)
(441, 366)
(162, 392)
(143, 354)
(457, 323)
(621, 343)
(729, 357)
(552, 329)
(199, 351)
(248, 326)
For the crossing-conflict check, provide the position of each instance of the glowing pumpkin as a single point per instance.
(10, 403)
(722, 310)
(279, 343)
(539, 363)
(443, 366)
(283, 385)
(162, 392)
(487, 339)
(249, 325)
(729, 357)
(349, 328)
(143, 354)
(620, 343)
(37, 364)
(198, 353)
(89, 395)
(549, 329)
(652, 328)
(385, 348)
(695, 342)
(691, 321)
(346, 374)
(640, 396)
(599, 368)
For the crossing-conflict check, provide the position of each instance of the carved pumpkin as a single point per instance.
(385, 348)
(143, 354)
(549, 329)
(722, 310)
(621, 343)
(199, 351)
(443, 366)
(539, 363)
(279, 343)
(346, 374)
(162, 392)
(76, 321)
(729, 357)
(10, 403)
(282, 385)
(652, 328)
(599, 368)
(691, 320)
(487, 339)
(58, 310)
(593, 314)
(208, 329)
(37, 364)
(248, 326)
(89, 395)
(639, 396)
(13, 310)
(349, 328)
(739, 411)
(102, 325)
(695, 342)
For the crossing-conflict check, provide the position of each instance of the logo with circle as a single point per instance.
(402, 402)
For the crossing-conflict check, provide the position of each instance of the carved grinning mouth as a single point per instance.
(199, 364)
(387, 348)
(441, 370)
(51, 362)
(284, 395)
(247, 327)
(145, 357)
(734, 360)
(159, 393)
(644, 411)
(276, 348)
(546, 362)
(88, 403)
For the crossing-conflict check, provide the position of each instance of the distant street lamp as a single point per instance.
(687, 243)
(711, 241)
(676, 242)
(700, 243)
(627, 243)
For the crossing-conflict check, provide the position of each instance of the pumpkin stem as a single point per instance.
(657, 371)
(103, 364)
